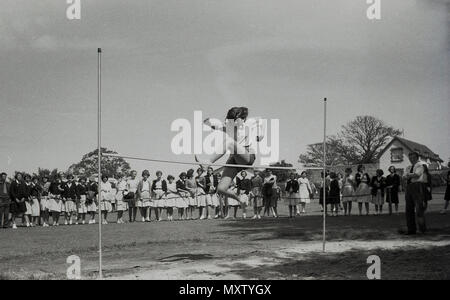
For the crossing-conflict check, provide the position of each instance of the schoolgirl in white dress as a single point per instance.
(130, 196)
(305, 192)
(170, 197)
(35, 206)
(348, 191)
(201, 195)
(82, 206)
(159, 189)
(55, 200)
(191, 185)
(105, 198)
(231, 202)
(364, 193)
(182, 202)
(91, 198)
(45, 202)
(121, 206)
(144, 196)
(212, 199)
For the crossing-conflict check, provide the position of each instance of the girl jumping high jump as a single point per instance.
(240, 135)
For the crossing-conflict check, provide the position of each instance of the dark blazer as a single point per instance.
(18, 191)
(70, 192)
(394, 181)
(92, 187)
(244, 185)
(208, 182)
(378, 184)
(164, 185)
(292, 183)
(36, 191)
(55, 188)
(81, 190)
(181, 185)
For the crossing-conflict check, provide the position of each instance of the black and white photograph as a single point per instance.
(204, 142)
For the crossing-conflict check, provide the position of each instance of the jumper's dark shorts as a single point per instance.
(231, 171)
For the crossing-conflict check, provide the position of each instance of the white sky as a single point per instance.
(164, 59)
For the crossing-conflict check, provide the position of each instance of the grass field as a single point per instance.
(269, 248)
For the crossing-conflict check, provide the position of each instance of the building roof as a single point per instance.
(423, 150)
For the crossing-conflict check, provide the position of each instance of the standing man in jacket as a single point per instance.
(5, 201)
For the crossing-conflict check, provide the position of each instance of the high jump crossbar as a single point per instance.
(200, 163)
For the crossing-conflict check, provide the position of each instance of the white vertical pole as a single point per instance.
(99, 109)
(324, 171)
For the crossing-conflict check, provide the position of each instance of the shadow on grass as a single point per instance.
(426, 263)
(192, 257)
(309, 228)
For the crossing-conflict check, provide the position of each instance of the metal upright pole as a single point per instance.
(324, 172)
(99, 134)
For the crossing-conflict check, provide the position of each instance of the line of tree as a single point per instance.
(358, 142)
(88, 166)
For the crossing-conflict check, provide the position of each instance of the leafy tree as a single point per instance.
(111, 166)
(368, 136)
(360, 141)
(42, 172)
(337, 154)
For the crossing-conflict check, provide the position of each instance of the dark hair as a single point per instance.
(243, 171)
(333, 175)
(3, 173)
(104, 176)
(380, 172)
(145, 172)
(190, 173)
(304, 172)
(200, 170)
(389, 169)
(183, 174)
(27, 176)
(360, 167)
(158, 172)
(348, 170)
(237, 112)
(170, 177)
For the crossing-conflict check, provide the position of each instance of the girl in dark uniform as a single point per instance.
(334, 194)
(18, 192)
(392, 187)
